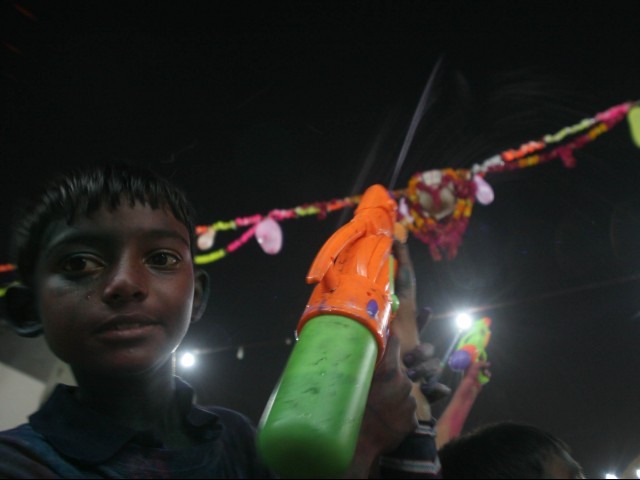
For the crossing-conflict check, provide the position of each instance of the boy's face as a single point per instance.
(115, 290)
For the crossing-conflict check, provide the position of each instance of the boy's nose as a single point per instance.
(126, 284)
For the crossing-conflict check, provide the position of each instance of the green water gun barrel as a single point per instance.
(311, 424)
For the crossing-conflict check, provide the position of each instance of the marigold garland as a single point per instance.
(437, 204)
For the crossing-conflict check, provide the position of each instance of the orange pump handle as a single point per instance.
(354, 268)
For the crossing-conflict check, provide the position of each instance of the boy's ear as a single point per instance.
(21, 311)
(200, 294)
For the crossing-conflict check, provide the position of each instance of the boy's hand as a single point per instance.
(469, 382)
(390, 414)
(418, 358)
(423, 368)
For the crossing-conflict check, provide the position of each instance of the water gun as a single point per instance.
(311, 423)
(471, 348)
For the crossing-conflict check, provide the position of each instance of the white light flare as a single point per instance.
(463, 321)
(187, 360)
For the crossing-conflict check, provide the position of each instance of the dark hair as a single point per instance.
(504, 450)
(82, 192)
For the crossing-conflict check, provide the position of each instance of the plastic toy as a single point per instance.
(310, 426)
(472, 348)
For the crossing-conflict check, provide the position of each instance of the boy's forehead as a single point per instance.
(123, 220)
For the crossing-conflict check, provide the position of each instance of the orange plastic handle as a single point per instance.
(352, 269)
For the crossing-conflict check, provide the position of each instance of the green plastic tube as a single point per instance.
(310, 426)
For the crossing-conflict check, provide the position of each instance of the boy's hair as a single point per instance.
(84, 191)
(504, 450)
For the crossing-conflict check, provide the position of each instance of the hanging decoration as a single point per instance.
(437, 204)
(269, 236)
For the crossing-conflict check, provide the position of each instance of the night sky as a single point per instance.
(276, 104)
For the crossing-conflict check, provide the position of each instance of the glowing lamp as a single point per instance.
(463, 321)
(187, 360)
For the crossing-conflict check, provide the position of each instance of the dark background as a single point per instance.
(255, 106)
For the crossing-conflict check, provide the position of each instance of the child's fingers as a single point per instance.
(419, 354)
(435, 393)
(401, 252)
(392, 351)
(425, 370)
(480, 366)
(389, 371)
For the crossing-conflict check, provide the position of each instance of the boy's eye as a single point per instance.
(163, 259)
(80, 264)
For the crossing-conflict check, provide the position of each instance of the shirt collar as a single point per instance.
(77, 431)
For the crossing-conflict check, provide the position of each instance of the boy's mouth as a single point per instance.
(127, 323)
(127, 326)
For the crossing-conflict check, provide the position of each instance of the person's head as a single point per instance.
(105, 256)
(508, 450)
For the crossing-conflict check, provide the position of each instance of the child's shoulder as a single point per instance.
(28, 451)
(22, 436)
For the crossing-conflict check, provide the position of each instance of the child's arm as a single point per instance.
(395, 402)
(416, 456)
(452, 421)
(418, 358)
(391, 443)
(404, 324)
(390, 414)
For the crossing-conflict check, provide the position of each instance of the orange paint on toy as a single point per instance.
(352, 268)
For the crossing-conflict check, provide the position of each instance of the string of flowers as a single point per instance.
(436, 205)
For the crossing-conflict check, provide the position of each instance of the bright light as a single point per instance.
(463, 321)
(187, 360)
(610, 475)
(638, 472)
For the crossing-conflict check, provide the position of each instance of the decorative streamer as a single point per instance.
(437, 204)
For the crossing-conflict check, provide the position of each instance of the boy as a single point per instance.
(508, 450)
(105, 258)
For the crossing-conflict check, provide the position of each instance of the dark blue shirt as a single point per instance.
(66, 439)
